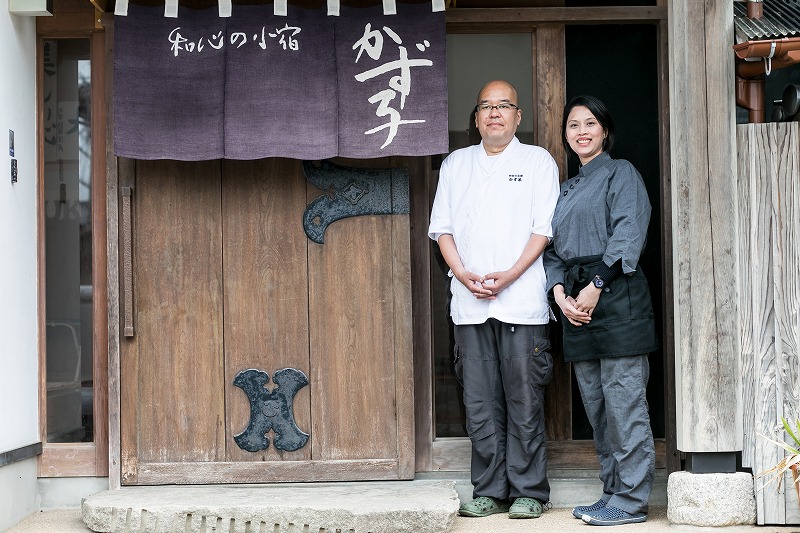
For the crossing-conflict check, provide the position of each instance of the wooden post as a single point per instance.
(707, 352)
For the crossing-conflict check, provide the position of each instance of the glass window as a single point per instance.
(472, 61)
(68, 239)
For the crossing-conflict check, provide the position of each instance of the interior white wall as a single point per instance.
(474, 60)
(19, 410)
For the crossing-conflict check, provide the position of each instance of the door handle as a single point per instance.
(127, 262)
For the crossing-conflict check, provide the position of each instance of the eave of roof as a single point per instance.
(781, 19)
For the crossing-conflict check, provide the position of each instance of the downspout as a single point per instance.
(755, 9)
(754, 60)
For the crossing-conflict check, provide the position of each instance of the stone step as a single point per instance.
(418, 506)
(427, 504)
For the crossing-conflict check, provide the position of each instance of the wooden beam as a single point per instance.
(71, 18)
(187, 473)
(41, 301)
(549, 82)
(721, 117)
(525, 16)
(99, 258)
(420, 190)
(453, 454)
(673, 461)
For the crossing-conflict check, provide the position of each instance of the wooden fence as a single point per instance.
(769, 300)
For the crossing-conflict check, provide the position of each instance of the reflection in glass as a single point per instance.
(68, 239)
(472, 61)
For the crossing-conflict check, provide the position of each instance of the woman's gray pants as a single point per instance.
(614, 395)
(504, 369)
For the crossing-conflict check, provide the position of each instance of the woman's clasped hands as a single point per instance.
(577, 311)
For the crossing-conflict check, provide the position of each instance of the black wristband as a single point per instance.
(610, 273)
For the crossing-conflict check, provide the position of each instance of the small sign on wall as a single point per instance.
(13, 171)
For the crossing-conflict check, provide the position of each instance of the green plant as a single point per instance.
(789, 462)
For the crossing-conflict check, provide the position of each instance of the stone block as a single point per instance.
(711, 499)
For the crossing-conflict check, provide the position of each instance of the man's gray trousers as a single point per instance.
(504, 369)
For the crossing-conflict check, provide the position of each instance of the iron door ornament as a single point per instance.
(351, 192)
(271, 409)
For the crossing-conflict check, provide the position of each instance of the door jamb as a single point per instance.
(77, 459)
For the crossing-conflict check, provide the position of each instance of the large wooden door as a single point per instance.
(224, 280)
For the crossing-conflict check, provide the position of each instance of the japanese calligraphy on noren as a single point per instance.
(180, 44)
(393, 71)
(372, 42)
(304, 86)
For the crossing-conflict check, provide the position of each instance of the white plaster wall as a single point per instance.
(19, 411)
(17, 489)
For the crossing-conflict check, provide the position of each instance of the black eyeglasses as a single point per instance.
(485, 108)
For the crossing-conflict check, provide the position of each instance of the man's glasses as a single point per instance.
(485, 108)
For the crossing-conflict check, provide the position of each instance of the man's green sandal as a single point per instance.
(525, 508)
(483, 506)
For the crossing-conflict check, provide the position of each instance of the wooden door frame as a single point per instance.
(547, 25)
(461, 20)
(76, 21)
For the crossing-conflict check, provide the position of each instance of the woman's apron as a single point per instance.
(622, 323)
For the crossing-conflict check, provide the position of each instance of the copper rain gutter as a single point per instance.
(755, 59)
(758, 58)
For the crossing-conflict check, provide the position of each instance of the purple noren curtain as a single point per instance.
(304, 86)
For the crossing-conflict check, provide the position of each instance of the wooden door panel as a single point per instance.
(175, 412)
(360, 326)
(352, 340)
(226, 280)
(403, 344)
(266, 288)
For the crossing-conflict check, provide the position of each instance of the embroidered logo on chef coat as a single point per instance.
(515, 177)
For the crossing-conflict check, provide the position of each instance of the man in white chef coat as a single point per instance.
(492, 219)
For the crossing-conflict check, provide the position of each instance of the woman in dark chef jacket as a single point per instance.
(599, 231)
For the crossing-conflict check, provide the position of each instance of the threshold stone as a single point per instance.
(418, 506)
